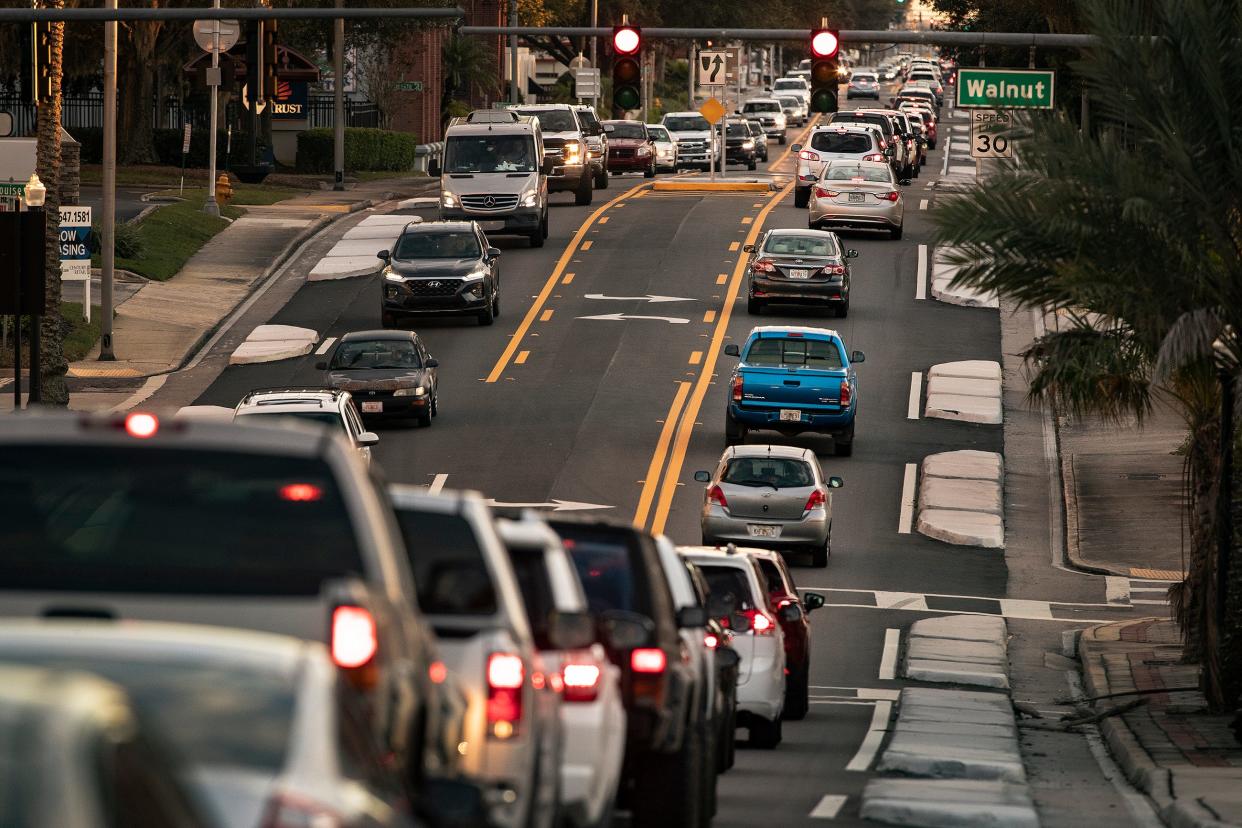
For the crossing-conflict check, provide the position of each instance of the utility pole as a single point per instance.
(692, 68)
(107, 222)
(338, 99)
(211, 207)
(594, 39)
(513, 55)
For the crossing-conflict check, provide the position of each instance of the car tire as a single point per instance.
(545, 226)
(931, 144)
(731, 741)
(487, 316)
(650, 172)
(424, 419)
(764, 734)
(601, 180)
(895, 233)
(707, 749)
(802, 197)
(735, 432)
(797, 694)
(585, 192)
(668, 787)
(495, 304)
(435, 405)
(842, 309)
(536, 236)
(754, 306)
(781, 140)
(752, 164)
(844, 448)
(819, 556)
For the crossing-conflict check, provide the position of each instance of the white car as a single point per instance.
(694, 137)
(665, 148)
(769, 113)
(326, 406)
(793, 86)
(794, 108)
(593, 719)
(855, 141)
(738, 595)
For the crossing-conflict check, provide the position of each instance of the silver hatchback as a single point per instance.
(861, 195)
(770, 496)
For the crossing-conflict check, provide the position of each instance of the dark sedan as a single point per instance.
(440, 267)
(389, 374)
(799, 267)
(630, 148)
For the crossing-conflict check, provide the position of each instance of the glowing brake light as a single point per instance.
(648, 660)
(354, 639)
(760, 622)
(581, 681)
(140, 424)
(875, 156)
(300, 492)
(505, 676)
(816, 500)
(715, 495)
(505, 671)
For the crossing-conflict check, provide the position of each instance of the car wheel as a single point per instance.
(536, 236)
(487, 316)
(495, 304)
(435, 405)
(843, 446)
(731, 733)
(754, 306)
(649, 172)
(843, 309)
(802, 197)
(707, 749)
(895, 233)
(764, 734)
(544, 226)
(668, 787)
(751, 164)
(585, 192)
(797, 693)
(424, 419)
(931, 144)
(781, 140)
(735, 432)
(601, 180)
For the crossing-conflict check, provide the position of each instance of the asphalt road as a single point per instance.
(129, 201)
(549, 404)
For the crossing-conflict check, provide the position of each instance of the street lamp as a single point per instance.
(36, 193)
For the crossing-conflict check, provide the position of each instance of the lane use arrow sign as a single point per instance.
(652, 299)
(621, 317)
(555, 504)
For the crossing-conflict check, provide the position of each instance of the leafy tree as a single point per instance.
(1132, 232)
(467, 63)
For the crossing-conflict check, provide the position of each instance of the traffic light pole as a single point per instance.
(338, 101)
(211, 207)
(107, 222)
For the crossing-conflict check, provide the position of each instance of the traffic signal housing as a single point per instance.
(824, 77)
(627, 67)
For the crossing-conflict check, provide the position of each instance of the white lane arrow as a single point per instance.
(554, 504)
(648, 298)
(621, 317)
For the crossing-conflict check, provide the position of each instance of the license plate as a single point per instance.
(857, 198)
(492, 225)
(759, 531)
(372, 407)
(791, 415)
(798, 273)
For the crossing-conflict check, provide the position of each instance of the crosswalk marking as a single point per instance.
(1019, 608)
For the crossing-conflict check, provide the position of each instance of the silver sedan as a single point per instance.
(861, 195)
(769, 496)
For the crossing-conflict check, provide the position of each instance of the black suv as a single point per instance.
(667, 736)
(440, 267)
(761, 138)
(740, 144)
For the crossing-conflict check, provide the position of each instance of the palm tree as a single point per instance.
(1134, 232)
(467, 63)
(52, 366)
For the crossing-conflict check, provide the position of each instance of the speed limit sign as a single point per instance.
(988, 138)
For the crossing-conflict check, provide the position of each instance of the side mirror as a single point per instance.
(796, 148)
(432, 362)
(622, 630)
(890, 151)
(858, 356)
(321, 366)
(748, 248)
(702, 477)
(433, 167)
(571, 630)
(368, 438)
(851, 253)
(835, 482)
(384, 254)
(688, 617)
(791, 613)
(732, 350)
(493, 252)
(452, 803)
(812, 600)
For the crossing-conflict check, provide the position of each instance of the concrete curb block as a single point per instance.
(962, 495)
(216, 413)
(271, 343)
(961, 498)
(962, 528)
(968, 803)
(354, 256)
(942, 277)
(964, 409)
(959, 649)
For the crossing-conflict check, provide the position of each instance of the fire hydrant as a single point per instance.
(224, 190)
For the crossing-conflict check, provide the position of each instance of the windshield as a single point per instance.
(487, 154)
(737, 130)
(791, 103)
(375, 353)
(860, 77)
(795, 353)
(611, 570)
(553, 120)
(171, 520)
(440, 244)
(627, 129)
(329, 418)
(658, 133)
(800, 246)
(761, 106)
(849, 142)
(687, 123)
(878, 173)
(449, 571)
(791, 83)
(777, 472)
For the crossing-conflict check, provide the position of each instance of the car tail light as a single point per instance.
(505, 676)
(762, 266)
(286, 810)
(892, 195)
(820, 192)
(816, 499)
(760, 622)
(300, 492)
(354, 639)
(834, 270)
(875, 156)
(581, 681)
(845, 394)
(737, 389)
(141, 425)
(648, 660)
(715, 495)
(807, 155)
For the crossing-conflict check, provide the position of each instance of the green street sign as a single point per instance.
(410, 86)
(12, 188)
(1005, 88)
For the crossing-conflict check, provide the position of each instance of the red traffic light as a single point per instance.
(824, 43)
(626, 40)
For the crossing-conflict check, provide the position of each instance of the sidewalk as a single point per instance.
(161, 325)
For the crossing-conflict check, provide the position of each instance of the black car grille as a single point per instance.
(489, 202)
(620, 152)
(433, 287)
(692, 146)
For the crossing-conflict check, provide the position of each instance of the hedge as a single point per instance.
(365, 149)
(168, 146)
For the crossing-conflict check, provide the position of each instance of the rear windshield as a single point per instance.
(489, 153)
(878, 173)
(865, 77)
(687, 123)
(448, 566)
(838, 142)
(729, 585)
(460, 244)
(795, 353)
(761, 106)
(375, 353)
(779, 472)
(628, 129)
(233, 716)
(883, 123)
(611, 570)
(166, 520)
(776, 584)
(791, 83)
(531, 568)
(782, 245)
(331, 419)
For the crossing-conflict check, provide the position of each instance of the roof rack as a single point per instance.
(334, 392)
(492, 116)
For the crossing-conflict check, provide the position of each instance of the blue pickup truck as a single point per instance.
(793, 379)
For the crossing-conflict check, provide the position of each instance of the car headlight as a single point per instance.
(748, 144)
(417, 391)
(530, 198)
(644, 151)
(390, 276)
(449, 199)
(474, 275)
(572, 152)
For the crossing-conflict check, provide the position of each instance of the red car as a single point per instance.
(793, 614)
(630, 148)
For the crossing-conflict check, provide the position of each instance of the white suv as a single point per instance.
(770, 113)
(739, 595)
(858, 142)
(326, 406)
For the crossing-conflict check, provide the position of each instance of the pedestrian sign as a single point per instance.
(713, 110)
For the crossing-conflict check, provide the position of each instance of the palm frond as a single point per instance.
(1092, 371)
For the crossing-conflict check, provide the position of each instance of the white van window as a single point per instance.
(489, 153)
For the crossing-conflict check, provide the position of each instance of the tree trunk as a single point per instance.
(52, 366)
(142, 37)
